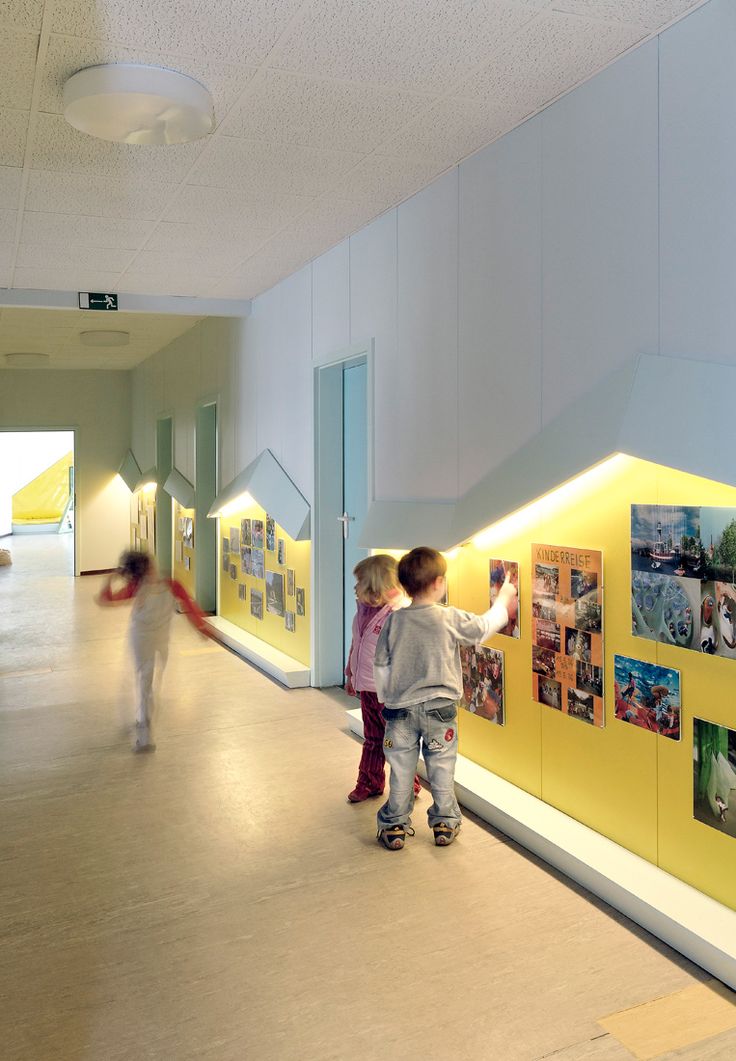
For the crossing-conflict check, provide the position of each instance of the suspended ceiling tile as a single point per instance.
(22, 14)
(548, 57)
(215, 262)
(424, 45)
(293, 109)
(8, 219)
(70, 258)
(205, 238)
(67, 55)
(61, 148)
(13, 130)
(650, 13)
(72, 193)
(164, 284)
(18, 65)
(387, 180)
(10, 181)
(268, 168)
(53, 280)
(447, 132)
(65, 229)
(228, 29)
(200, 205)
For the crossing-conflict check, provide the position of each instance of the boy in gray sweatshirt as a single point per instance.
(418, 678)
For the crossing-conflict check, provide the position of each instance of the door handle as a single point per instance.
(346, 520)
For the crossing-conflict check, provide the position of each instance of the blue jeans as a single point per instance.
(434, 723)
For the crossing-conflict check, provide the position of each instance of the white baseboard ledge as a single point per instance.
(694, 924)
(290, 672)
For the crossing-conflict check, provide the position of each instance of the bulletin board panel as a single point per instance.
(184, 537)
(628, 783)
(236, 604)
(143, 520)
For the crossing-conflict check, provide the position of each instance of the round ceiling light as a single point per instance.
(104, 338)
(134, 104)
(26, 360)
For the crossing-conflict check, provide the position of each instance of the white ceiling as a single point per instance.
(329, 112)
(56, 333)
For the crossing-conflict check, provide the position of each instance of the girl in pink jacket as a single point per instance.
(378, 593)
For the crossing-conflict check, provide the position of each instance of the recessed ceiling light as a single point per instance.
(104, 338)
(24, 360)
(134, 104)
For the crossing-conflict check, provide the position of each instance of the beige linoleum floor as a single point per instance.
(219, 900)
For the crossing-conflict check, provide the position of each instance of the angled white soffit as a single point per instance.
(270, 487)
(146, 479)
(623, 413)
(129, 471)
(179, 487)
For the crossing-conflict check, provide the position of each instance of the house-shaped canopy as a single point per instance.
(265, 482)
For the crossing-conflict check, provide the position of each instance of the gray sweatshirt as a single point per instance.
(418, 651)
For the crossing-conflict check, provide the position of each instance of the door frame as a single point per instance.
(200, 513)
(25, 429)
(327, 554)
(164, 551)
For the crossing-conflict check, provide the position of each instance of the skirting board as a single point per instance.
(694, 924)
(290, 672)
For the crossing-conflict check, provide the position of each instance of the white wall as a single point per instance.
(602, 228)
(97, 406)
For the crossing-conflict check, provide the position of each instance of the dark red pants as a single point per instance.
(371, 770)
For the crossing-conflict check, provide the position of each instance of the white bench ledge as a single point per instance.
(694, 924)
(285, 669)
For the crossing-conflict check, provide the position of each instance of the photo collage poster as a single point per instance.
(483, 692)
(498, 571)
(567, 631)
(648, 696)
(683, 577)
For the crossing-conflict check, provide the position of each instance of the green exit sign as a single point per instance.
(97, 300)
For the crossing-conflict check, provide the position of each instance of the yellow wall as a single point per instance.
(180, 572)
(143, 503)
(272, 628)
(630, 784)
(43, 499)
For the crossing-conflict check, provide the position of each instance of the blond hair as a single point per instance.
(376, 578)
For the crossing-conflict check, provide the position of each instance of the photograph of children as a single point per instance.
(270, 534)
(281, 552)
(235, 539)
(549, 692)
(258, 563)
(582, 583)
(714, 776)
(482, 671)
(547, 635)
(226, 545)
(226, 561)
(647, 696)
(581, 705)
(546, 581)
(256, 533)
(274, 593)
(241, 591)
(498, 570)
(683, 576)
(543, 661)
(543, 609)
(300, 601)
(567, 653)
(188, 536)
(256, 604)
(233, 572)
(290, 621)
(589, 678)
(246, 560)
(245, 532)
(290, 582)
(578, 644)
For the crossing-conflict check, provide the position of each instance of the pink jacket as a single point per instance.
(367, 625)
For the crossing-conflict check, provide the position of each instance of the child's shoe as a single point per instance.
(143, 742)
(444, 834)
(394, 837)
(360, 792)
